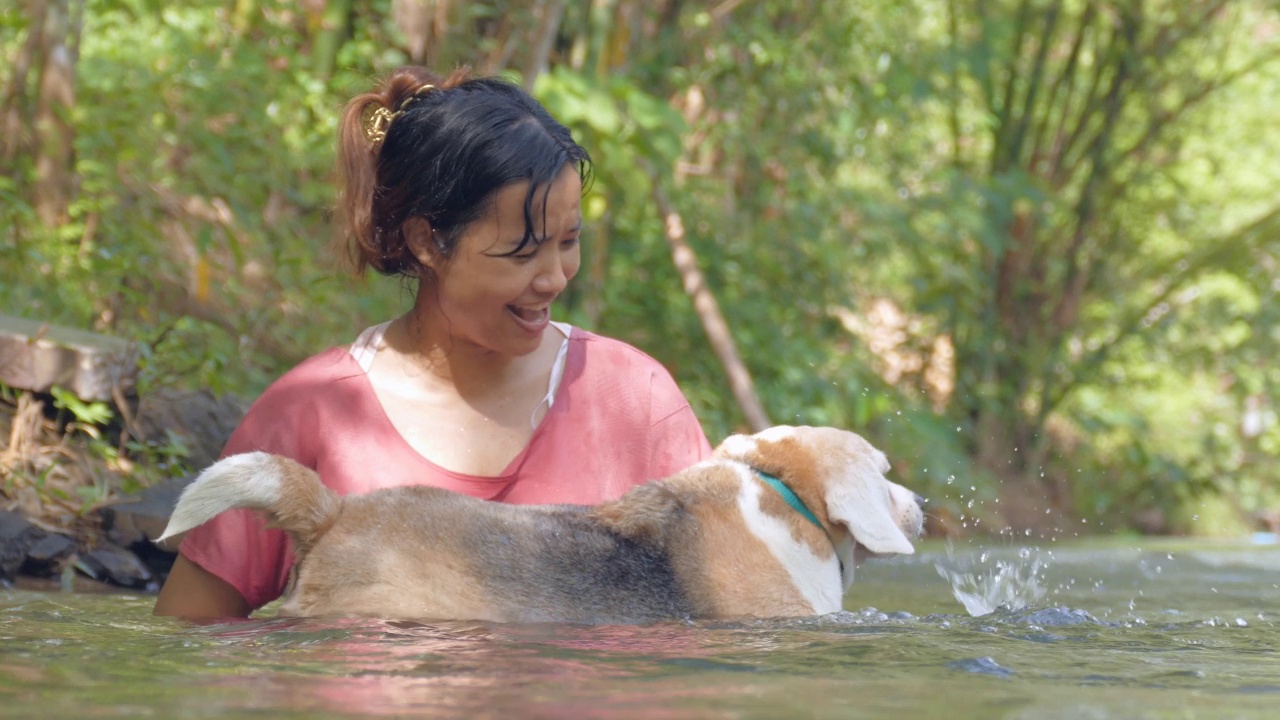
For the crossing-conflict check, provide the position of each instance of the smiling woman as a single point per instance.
(471, 188)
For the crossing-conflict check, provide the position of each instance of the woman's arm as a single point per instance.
(231, 565)
(193, 592)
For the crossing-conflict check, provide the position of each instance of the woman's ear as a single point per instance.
(420, 237)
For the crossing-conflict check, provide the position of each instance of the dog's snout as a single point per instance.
(921, 500)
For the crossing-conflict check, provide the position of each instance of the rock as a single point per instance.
(47, 556)
(117, 565)
(142, 517)
(201, 421)
(39, 356)
(157, 558)
(17, 537)
(1151, 521)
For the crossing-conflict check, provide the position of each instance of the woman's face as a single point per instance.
(501, 302)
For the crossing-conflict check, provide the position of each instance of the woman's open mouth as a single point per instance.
(531, 319)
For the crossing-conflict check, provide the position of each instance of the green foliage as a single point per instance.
(1079, 198)
(87, 414)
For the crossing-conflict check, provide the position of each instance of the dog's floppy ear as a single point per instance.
(836, 465)
(859, 499)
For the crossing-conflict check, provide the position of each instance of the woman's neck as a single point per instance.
(424, 340)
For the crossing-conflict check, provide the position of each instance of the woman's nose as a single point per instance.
(551, 277)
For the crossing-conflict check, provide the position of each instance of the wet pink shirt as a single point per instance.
(617, 420)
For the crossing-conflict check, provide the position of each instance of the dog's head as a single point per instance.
(840, 477)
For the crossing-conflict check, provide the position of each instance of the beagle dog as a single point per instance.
(772, 526)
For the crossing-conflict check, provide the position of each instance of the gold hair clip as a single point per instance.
(379, 121)
(375, 126)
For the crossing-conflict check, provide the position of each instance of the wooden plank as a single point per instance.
(37, 356)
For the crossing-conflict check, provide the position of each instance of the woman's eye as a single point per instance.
(570, 242)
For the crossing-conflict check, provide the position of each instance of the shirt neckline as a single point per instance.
(364, 348)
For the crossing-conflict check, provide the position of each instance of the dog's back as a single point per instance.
(429, 553)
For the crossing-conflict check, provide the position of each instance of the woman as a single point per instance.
(472, 189)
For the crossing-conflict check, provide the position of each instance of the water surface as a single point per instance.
(1164, 630)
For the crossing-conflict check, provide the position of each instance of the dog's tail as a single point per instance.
(291, 494)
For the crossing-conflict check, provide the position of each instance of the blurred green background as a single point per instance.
(1029, 248)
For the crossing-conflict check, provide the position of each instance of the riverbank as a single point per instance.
(81, 501)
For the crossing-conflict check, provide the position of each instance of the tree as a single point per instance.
(1059, 230)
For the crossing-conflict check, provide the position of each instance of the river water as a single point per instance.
(1159, 629)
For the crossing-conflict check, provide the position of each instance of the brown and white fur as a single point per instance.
(712, 541)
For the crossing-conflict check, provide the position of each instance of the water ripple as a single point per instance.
(984, 665)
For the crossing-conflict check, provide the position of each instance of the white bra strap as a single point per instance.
(366, 346)
(557, 373)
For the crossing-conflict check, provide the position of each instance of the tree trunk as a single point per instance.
(548, 14)
(424, 24)
(1005, 449)
(14, 121)
(329, 37)
(55, 136)
(713, 322)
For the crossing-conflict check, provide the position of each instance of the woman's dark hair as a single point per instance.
(446, 150)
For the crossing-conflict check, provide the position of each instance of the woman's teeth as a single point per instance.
(528, 314)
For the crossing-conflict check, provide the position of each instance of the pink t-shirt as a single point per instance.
(617, 420)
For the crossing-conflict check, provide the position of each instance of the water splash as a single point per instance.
(985, 583)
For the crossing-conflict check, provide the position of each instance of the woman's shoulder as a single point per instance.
(334, 363)
(619, 370)
(313, 379)
(612, 354)
(292, 411)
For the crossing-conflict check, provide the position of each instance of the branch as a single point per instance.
(1067, 79)
(1034, 82)
(1064, 79)
(1179, 272)
(704, 303)
(984, 64)
(1087, 111)
(1165, 42)
(1064, 312)
(953, 76)
(1000, 154)
(1164, 120)
(504, 46)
